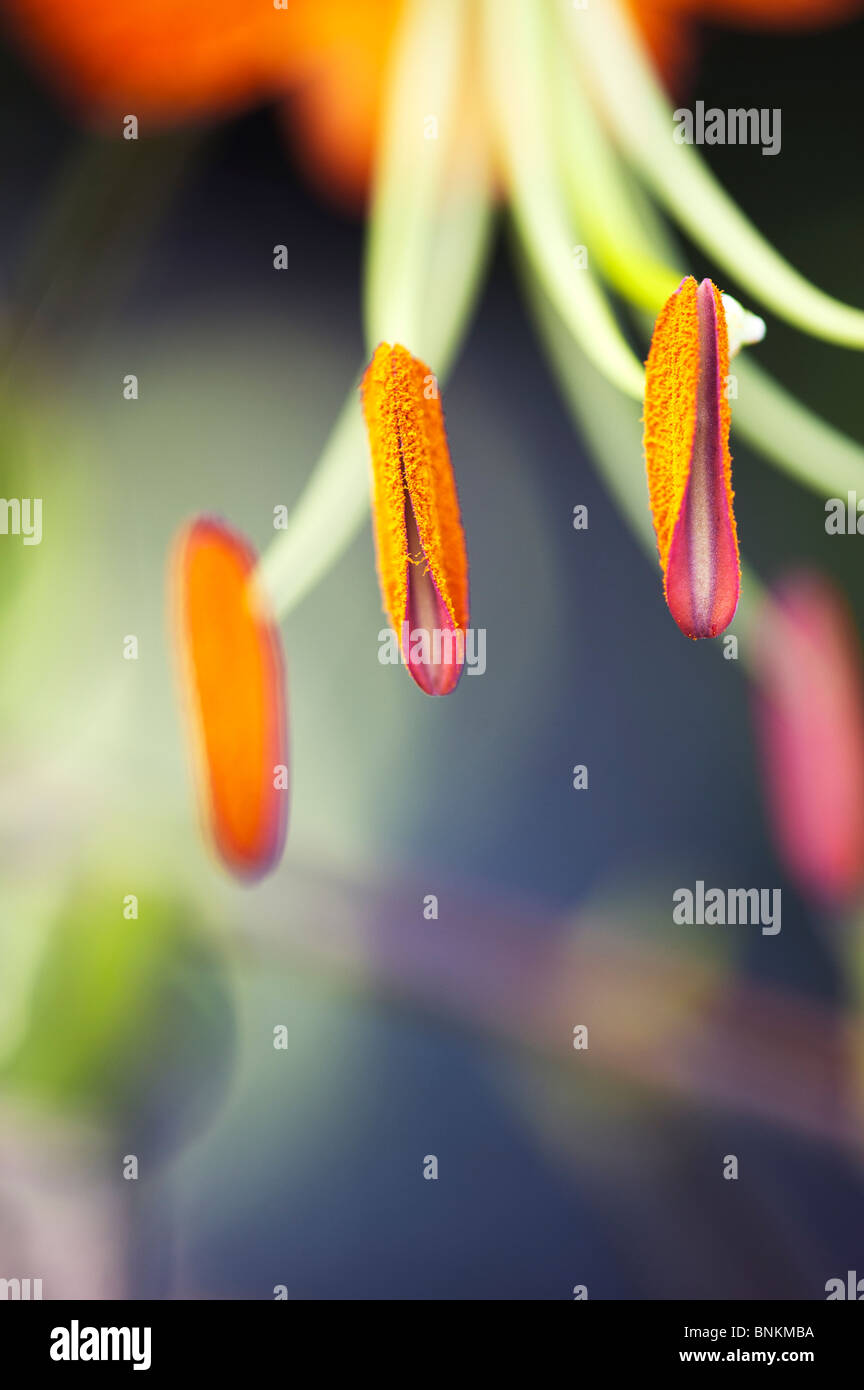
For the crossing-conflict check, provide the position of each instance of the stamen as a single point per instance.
(422, 564)
(232, 672)
(689, 467)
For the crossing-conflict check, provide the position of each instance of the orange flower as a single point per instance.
(810, 722)
(169, 61)
(231, 665)
(419, 541)
(688, 461)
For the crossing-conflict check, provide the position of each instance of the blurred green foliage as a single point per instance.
(125, 1014)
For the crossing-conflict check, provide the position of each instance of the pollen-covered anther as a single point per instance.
(419, 541)
(689, 466)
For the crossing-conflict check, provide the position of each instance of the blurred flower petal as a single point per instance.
(334, 114)
(668, 37)
(422, 564)
(234, 684)
(172, 61)
(163, 60)
(809, 712)
(689, 467)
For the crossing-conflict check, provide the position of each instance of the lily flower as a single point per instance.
(458, 106)
(233, 687)
(809, 719)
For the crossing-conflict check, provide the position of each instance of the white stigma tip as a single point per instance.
(744, 328)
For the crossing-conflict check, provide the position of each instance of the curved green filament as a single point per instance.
(639, 257)
(516, 44)
(791, 436)
(614, 67)
(330, 512)
(622, 230)
(418, 133)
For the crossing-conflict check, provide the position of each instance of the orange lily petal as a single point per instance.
(422, 564)
(168, 60)
(687, 457)
(162, 60)
(231, 664)
(809, 710)
(669, 39)
(334, 114)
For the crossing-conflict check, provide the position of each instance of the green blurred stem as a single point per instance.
(416, 138)
(516, 42)
(428, 245)
(622, 229)
(791, 436)
(330, 512)
(613, 65)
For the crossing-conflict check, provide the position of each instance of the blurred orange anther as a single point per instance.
(234, 691)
